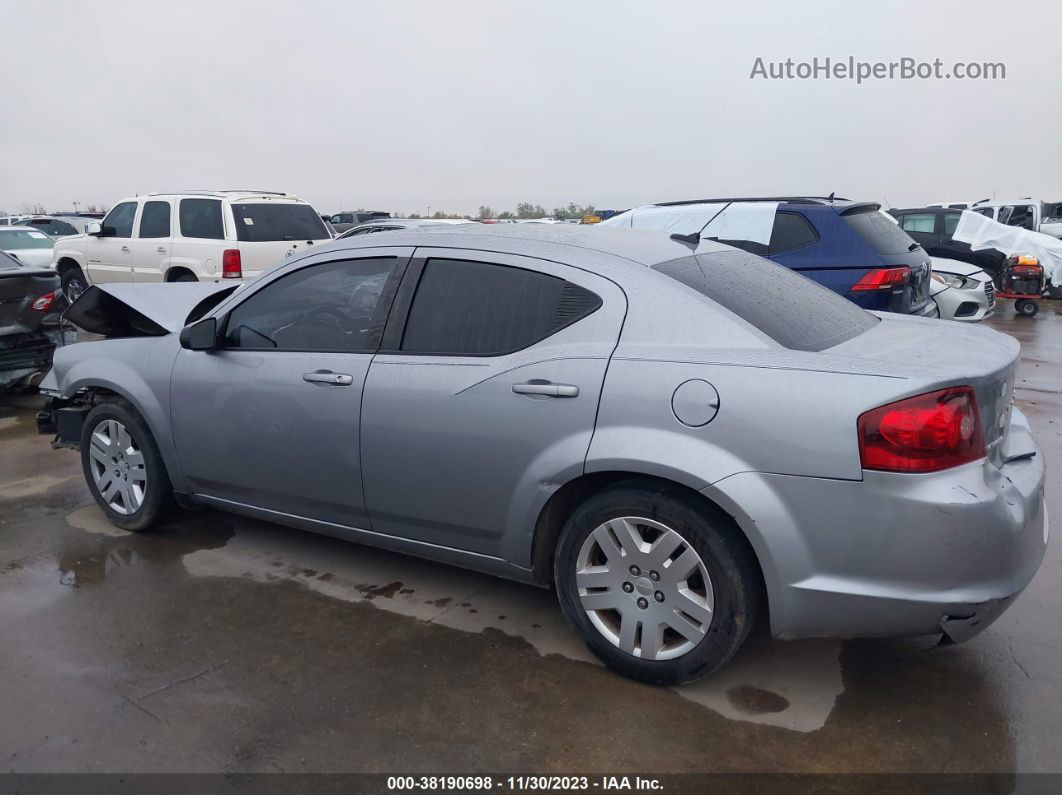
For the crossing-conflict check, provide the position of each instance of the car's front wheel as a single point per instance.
(123, 467)
(661, 588)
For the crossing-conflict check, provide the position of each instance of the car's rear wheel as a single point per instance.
(661, 588)
(74, 283)
(185, 277)
(123, 467)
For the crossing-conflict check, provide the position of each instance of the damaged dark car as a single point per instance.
(31, 323)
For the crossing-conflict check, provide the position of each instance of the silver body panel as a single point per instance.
(438, 456)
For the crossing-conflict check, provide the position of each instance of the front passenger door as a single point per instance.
(270, 419)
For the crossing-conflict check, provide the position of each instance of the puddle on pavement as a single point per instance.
(796, 686)
(790, 685)
(109, 550)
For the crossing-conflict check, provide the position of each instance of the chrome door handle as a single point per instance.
(546, 388)
(328, 377)
(125, 249)
(161, 250)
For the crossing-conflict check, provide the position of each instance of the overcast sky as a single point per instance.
(405, 106)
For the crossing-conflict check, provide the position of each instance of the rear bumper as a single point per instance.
(895, 554)
(25, 358)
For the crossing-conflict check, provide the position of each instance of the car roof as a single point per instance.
(546, 241)
(820, 200)
(929, 208)
(225, 194)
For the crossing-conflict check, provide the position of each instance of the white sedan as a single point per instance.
(962, 291)
(28, 245)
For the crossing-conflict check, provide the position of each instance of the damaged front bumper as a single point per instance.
(64, 419)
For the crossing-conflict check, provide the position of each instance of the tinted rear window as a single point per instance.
(794, 311)
(879, 232)
(264, 222)
(480, 309)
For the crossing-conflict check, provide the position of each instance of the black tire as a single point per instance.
(185, 277)
(1026, 308)
(157, 497)
(74, 283)
(731, 565)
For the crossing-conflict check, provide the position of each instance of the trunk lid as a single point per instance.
(931, 355)
(895, 248)
(20, 286)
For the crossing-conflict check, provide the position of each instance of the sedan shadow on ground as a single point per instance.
(223, 643)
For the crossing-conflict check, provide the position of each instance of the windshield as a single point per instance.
(22, 239)
(265, 222)
(789, 308)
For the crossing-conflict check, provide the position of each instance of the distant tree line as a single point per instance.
(523, 210)
(36, 208)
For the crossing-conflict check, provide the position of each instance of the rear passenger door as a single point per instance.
(483, 397)
(152, 244)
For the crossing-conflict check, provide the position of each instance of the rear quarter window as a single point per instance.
(879, 232)
(269, 222)
(791, 309)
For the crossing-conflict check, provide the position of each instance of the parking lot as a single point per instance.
(229, 644)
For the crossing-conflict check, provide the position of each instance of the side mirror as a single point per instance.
(201, 335)
(93, 229)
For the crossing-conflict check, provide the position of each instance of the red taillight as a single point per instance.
(44, 303)
(924, 433)
(231, 268)
(882, 278)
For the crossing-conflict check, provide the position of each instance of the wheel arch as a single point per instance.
(140, 398)
(67, 263)
(568, 497)
(179, 270)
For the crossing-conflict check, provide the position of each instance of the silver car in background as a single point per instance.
(681, 439)
(394, 224)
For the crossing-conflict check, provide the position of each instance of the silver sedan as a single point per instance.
(681, 439)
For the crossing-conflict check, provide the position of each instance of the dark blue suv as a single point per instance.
(851, 247)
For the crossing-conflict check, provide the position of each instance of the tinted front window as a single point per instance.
(481, 309)
(918, 222)
(791, 231)
(951, 220)
(155, 220)
(119, 221)
(329, 307)
(262, 222)
(789, 308)
(879, 232)
(201, 218)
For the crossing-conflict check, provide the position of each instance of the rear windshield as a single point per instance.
(881, 234)
(791, 309)
(263, 222)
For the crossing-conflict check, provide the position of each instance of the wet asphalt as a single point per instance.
(226, 644)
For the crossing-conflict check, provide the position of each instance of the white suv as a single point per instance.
(192, 236)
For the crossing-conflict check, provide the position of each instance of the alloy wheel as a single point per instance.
(644, 588)
(74, 288)
(117, 467)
